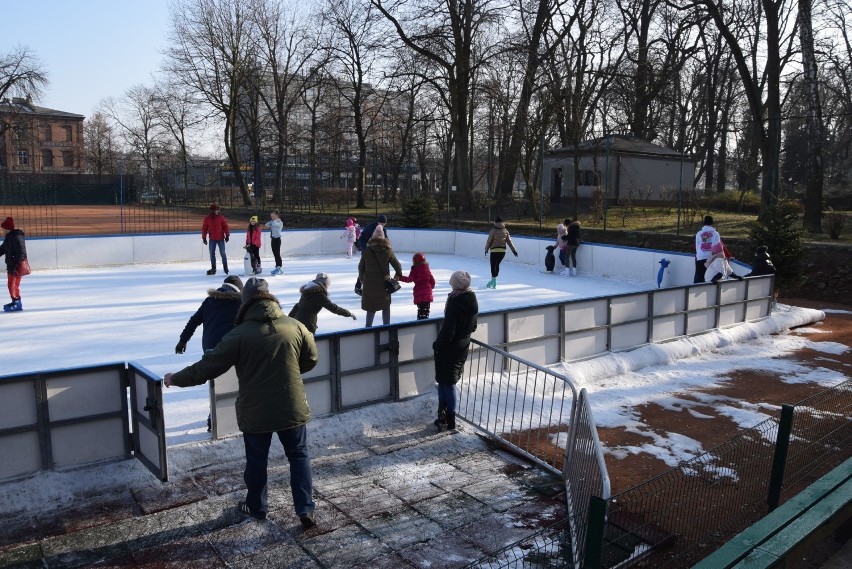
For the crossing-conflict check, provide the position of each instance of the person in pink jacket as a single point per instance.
(424, 282)
(253, 243)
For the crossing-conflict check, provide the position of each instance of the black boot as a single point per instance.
(212, 271)
(441, 421)
(451, 421)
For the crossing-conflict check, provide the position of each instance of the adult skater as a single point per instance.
(705, 238)
(572, 238)
(452, 344)
(14, 248)
(270, 352)
(275, 226)
(367, 232)
(373, 272)
(498, 238)
(314, 297)
(216, 227)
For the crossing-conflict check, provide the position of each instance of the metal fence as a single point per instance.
(681, 516)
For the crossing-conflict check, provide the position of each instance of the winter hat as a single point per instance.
(323, 279)
(460, 280)
(349, 222)
(382, 218)
(253, 287)
(379, 232)
(498, 219)
(8, 224)
(234, 282)
(253, 219)
(419, 258)
(214, 207)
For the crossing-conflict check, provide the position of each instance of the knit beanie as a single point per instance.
(253, 219)
(382, 218)
(498, 219)
(349, 222)
(460, 280)
(379, 232)
(253, 287)
(234, 282)
(214, 207)
(419, 258)
(323, 279)
(8, 224)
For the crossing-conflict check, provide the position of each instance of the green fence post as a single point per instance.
(595, 533)
(779, 458)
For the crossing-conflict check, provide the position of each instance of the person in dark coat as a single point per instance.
(314, 298)
(367, 231)
(761, 264)
(216, 314)
(424, 282)
(452, 344)
(373, 272)
(270, 351)
(216, 227)
(14, 248)
(572, 239)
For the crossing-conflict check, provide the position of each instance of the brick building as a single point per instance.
(37, 140)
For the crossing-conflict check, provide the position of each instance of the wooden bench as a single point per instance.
(811, 515)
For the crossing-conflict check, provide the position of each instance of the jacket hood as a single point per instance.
(311, 287)
(379, 243)
(499, 225)
(224, 293)
(262, 306)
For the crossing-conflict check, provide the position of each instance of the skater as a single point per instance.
(253, 244)
(452, 345)
(562, 241)
(270, 351)
(706, 237)
(275, 226)
(14, 248)
(761, 264)
(373, 272)
(349, 234)
(424, 282)
(314, 298)
(216, 314)
(367, 232)
(572, 238)
(717, 266)
(498, 238)
(216, 226)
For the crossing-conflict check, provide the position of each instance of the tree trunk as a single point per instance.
(813, 195)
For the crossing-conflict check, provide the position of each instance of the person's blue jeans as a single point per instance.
(447, 397)
(295, 442)
(212, 244)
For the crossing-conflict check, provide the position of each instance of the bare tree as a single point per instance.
(99, 145)
(211, 52)
(21, 75)
(813, 195)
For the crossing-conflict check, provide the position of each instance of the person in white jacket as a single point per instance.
(706, 237)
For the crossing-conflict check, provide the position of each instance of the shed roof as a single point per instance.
(620, 144)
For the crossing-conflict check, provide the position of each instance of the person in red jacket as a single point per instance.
(216, 227)
(253, 244)
(424, 282)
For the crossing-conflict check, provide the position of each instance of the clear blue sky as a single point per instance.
(91, 49)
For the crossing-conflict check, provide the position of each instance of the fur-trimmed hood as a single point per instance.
(312, 287)
(379, 243)
(224, 292)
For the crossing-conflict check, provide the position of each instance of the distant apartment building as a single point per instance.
(38, 140)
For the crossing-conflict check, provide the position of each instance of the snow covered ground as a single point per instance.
(136, 313)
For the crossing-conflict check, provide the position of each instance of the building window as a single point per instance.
(48, 133)
(67, 158)
(589, 178)
(47, 159)
(68, 133)
(23, 158)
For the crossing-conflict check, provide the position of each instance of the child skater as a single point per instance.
(717, 266)
(349, 235)
(423, 281)
(253, 244)
(17, 265)
(275, 226)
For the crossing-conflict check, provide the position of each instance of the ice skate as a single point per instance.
(492, 283)
(212, 271)
(14, 306)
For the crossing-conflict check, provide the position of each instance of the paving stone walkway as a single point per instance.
(402, 498)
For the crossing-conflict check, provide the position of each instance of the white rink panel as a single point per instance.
(626, 336)
(701, 296)
(585, 344)
(624, 309)
(759, 286)
(17, 406)
(360, 351)
(42, 254)
(668, 302)
(731, 314)
(416, 378)
(587, 314)
(668, 327)
(533, 323)
(541, 351)
(324, 365)
(610, 260)
(757, 309)
(731, 291)
(85, 394)
(701, 321)
(415, 342)
(93, 251)
(435, 241)
(226, 417)
(320, 397)
(89, 442)
(490, 329)
(167, 248)
(365, 387)
(26, 450)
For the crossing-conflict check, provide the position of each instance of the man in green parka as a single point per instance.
(270, 352)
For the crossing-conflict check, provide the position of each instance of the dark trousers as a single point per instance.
(295, 442)
(254, 253)
(423, 310)
(700, 270)
(496, 258)
(276, 250)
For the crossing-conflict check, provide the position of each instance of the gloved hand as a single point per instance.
(180, 348)
(246, 247)
(227, 237)
(515, 253)
(486, 253)
(204, 241)
(354, 317)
